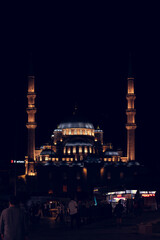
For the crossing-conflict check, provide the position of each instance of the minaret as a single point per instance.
(130, 112)
(31, 124)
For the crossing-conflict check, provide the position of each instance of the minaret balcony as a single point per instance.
(30, 110)
(32, 125)
(31, 94)
(130, 110)
(130, 96)
(131, 126)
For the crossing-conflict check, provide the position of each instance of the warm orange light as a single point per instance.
(102, 171)
(119, 195)
(78, 131)
(85, 171)
(64, 150)
(148, 195)
(80, 149)
(74, 150)
(68, 150)
(90, 149)
(85, 150)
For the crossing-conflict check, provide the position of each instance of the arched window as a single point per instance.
(85, 149)
(64, 150)
(69, 150)
(74, 150)
(80, 149)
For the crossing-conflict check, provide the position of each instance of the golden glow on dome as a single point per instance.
(78, 131)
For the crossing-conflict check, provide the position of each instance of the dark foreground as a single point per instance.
(46, 229)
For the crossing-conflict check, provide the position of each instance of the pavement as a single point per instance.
(47, 229)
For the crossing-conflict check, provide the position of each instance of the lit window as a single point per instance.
(90, 149)
(69, 151)
(102, 171)
(74, 150)
(85, 171)
(80, 149)
(85, 150)
(46, 158)
(81, 157)
(64, 150)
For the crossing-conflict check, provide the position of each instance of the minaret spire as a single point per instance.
(130, 112)
(130, 67)
(75, 109)
(31, 124)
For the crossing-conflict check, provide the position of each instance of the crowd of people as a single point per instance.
(70, 212)
(75, 212)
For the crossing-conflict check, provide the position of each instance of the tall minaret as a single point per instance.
(130, 112)
(31, 124)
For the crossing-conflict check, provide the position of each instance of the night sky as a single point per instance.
(80, 54)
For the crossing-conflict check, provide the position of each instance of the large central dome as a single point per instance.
(76, 122)
(87, 125)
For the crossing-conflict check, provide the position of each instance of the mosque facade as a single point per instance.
(77, 159)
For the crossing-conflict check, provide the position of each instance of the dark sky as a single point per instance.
(80, 54)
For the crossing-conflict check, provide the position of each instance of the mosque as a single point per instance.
(77, 160)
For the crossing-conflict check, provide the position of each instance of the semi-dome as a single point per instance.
(47, 152)
(110, 153)
(78, 142)
(133, 163)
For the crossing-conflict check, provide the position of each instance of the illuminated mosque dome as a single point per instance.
(76, 122)
(64, 125)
